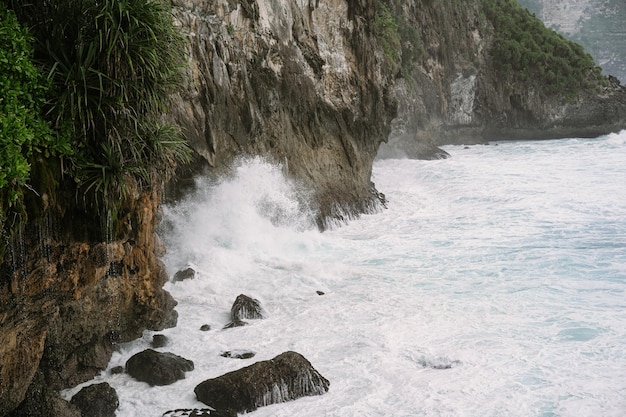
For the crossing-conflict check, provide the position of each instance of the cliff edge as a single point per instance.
(301, 82)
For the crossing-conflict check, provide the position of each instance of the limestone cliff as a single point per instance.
(451, 91)
(299, 81)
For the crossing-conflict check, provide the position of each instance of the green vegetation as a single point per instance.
(601, 32)
(386, 31)
(400, 40)
(24, 134)
(529, 52)
(95, 124)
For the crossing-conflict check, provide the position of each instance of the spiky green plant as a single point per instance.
(25, 137)
(113, 65)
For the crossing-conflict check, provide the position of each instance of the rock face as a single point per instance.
(450, 93)
(302, 82)
(286, 377)
(64, 301)
(158, 368)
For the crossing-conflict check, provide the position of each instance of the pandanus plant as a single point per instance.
(113, 65)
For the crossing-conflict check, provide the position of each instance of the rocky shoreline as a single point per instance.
(309, 85)
(286, 377)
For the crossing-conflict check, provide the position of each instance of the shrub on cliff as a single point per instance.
(24, 134)
(112, 65)
(400, 40)
(525, 50)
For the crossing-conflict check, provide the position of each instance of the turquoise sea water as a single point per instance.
(494, 284)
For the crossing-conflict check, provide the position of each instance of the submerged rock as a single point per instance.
(158, 368)
(199, 412)
(205, 327)
(236, 323)
(238, 354)
(286, 377)
(97, 400)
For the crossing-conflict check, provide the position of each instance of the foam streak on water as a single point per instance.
(493, 285)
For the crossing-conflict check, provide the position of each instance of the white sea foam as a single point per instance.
(493, 285)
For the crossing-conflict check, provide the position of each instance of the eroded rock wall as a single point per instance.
(299, 81)
(65, 301)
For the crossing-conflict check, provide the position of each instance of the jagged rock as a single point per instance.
(97, 400)
(238, 354)
(183, 274)
(286, 377)
(158, 368)
(199, 412)
(245, 307)
(320, 292)
(159, 340)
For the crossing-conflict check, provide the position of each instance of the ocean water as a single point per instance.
(494, 284)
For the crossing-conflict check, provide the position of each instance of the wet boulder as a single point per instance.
(158, 368)
(117, 370)
(159, 340)
(97, 400)
(246, 307)
(184, 274)
(286, 377)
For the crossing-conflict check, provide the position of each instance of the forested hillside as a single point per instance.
(598, 25)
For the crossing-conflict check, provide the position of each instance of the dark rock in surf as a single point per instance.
(199, 412)
(320, 292)
(246, 307)
(159, 340)
(238, 354)
(205, 327)
(286, 377)
(116, 370)
(158, 368)
(97, 400)
(184, 274)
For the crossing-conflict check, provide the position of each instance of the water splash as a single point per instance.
(250, 209)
